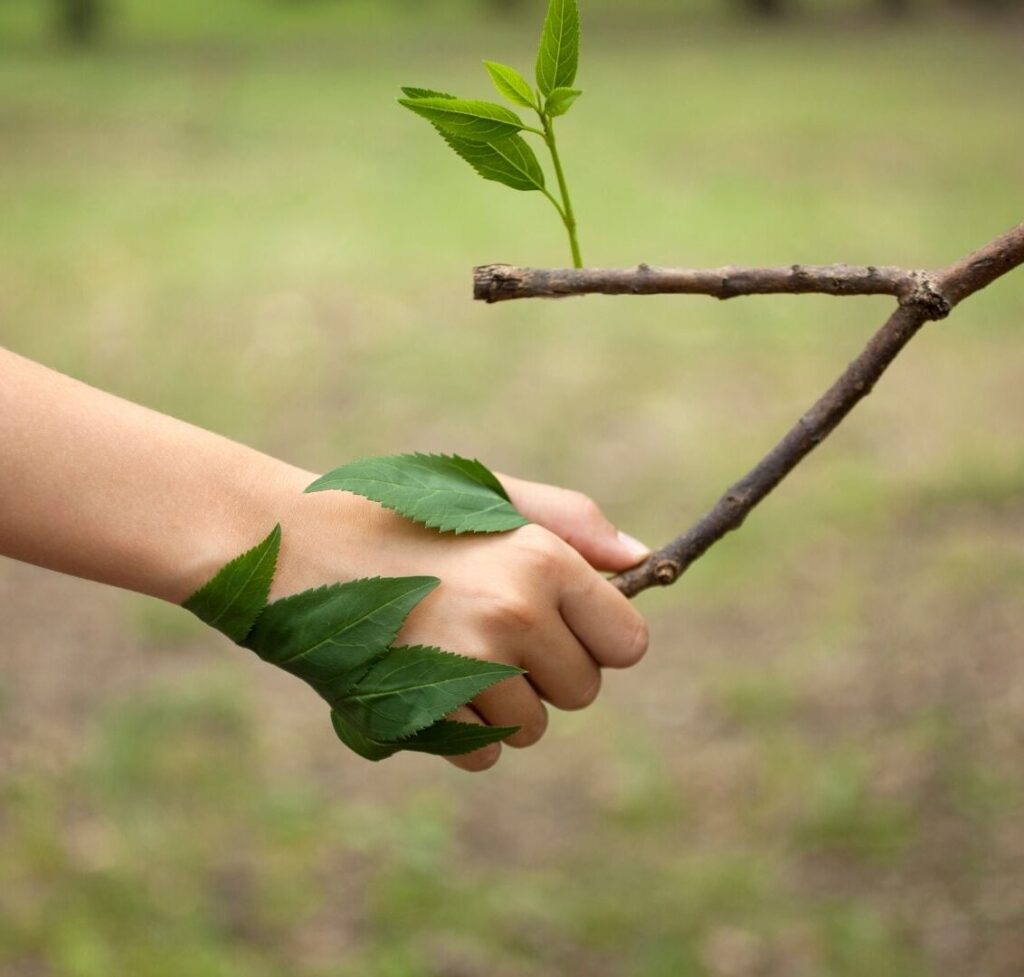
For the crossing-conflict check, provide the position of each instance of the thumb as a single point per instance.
(578, 520)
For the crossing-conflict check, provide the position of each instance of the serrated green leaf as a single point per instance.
(511, 84)
(359, 742)
(466, 118)
(232, 600)
(560, 101)
(509, 161)
(443, 738)
(411, 92)
(328, 636)
(338, 638)
(559, 52)
(408, 688)
(447, 738)
(443, 492)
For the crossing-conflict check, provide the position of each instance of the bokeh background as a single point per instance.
(818, 771)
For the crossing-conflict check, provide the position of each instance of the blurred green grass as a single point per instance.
(223, 214)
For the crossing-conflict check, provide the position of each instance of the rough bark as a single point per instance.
(943, 290)
(500, 283)
(923, 296)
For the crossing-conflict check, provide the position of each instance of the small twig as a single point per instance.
(938, 294)
(923, 296)
(500, 283)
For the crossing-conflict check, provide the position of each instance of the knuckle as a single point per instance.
(587, 523)
(530, 732)
(582, 694)
(539, 550)
(589, 511)
(508, 612)
(479, 760)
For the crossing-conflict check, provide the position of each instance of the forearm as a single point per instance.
(99, 487)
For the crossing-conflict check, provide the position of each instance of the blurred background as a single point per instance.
(218, 210)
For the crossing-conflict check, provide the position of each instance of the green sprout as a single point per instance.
(487, 135)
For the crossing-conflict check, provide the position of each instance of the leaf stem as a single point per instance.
(568, 217)
(554, 203)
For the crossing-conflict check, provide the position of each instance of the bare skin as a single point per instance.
(101, 488)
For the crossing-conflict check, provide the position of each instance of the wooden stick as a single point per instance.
(923, 296)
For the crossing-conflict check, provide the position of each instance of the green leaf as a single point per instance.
(338, 638)
(359, 742)
(466, 118)
(559, 52)
(411, 92)
(408, 688)
(443, 492)
(328, 636)
(447, 738)
(232, 600)
(560, 101)
(443, 738)
(511, 84)
(509, 161)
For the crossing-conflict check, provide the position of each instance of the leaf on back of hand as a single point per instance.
(560, 101)
(328, 636)
(511, 84)
(443, 492)
(408, 688)
(443, 738)
(466, 118)
(358, 742)
(233, 599)
(447, 738)
(509, 161)
(558, 57)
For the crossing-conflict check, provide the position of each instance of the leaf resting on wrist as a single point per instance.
(338, 638)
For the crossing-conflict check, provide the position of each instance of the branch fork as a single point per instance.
(922, 296)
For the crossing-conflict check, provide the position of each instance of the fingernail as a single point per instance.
(633, 546)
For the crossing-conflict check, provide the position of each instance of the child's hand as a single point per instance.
(531, 597)
(143, 501)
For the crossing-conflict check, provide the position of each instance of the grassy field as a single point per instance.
(817, 770)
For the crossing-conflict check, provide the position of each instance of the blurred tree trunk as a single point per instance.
(79, 21)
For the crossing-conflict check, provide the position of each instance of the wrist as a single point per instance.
(251, 494)
(326, 537)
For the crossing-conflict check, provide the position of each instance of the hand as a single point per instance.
(532, 597)
(158, 506)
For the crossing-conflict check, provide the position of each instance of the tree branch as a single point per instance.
(923, 296)
(500, 283)
(941, 291)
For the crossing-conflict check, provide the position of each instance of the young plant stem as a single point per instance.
(554, 203)
(568, 217)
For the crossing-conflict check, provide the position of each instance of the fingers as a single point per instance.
(577, 519)
(611, 629)
(514, 702)
(510, 703)
(542, 607)
(482, 759)
(559, 667)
